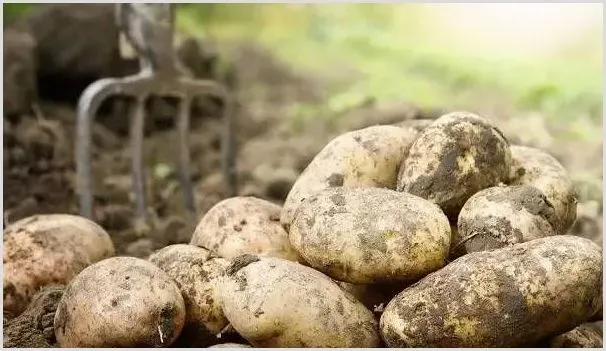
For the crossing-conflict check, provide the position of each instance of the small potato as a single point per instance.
(244, 225)
(584, 336)
(534, 167)
(228, 345)
(368, 157)
(454, 158)
(196, 274)
(504, 215)
(371, 235)
(506, 297)
(120, 302)
(273, 302)
(48, 249)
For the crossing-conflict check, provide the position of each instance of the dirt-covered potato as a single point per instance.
(534, 167)
(368, 157)
(584, 336)
(371, 235)
(48, 249)
(244, 225)
(458, 155)
(120, 302)
(273, 302)
(196, 274)
(506, 297)
(504, 215)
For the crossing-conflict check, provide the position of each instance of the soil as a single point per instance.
(39, 167)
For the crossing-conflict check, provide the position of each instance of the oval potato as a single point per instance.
(244, 225)
(504, 215)
(506, 297)
(371, 235)
(273, 302)
(534, 167)
(458, 155)
(368, 157)
(196, 274)
(120, 302)
(48, 249)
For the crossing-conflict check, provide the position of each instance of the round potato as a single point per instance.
(244, 225)
(506, 297)
(368, 157)
(504, 215)
(48, 249)
(120, 302)
(196, 274)
(273, 302)
(452, 159)
(534, 167)
(371, 235)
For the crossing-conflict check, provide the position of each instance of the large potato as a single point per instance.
(48, 249)
(273, 302)
(368, 157)
(120, 302)
(371, 235)
(504, 215)
(506, 297)
(452, 159)
(244, 225)
(534, 167)
(196, 274)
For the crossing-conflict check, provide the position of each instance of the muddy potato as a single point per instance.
(371, 235)
(458, 155)
(196, 274)
(585, 335)
(506, 297)
(368, 157)
(504, 215)
(120, 302)
(273, 302)
(244, 225)
(48, 249)
(534, 167)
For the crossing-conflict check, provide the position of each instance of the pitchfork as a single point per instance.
(149, 28)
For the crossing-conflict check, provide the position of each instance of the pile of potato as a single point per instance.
(397, 236)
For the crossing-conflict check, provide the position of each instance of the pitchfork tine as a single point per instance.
(89, 103)
(136, 134)
(184, 168)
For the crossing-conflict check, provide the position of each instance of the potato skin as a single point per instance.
(504, 215)
(244, 225)
(120, 302)
(585, 336)
(371, 235)
(534, 167)
(368, 157)
(507, 297)
(458, 155)
(273, 302)
(48, 249)
(196, 273)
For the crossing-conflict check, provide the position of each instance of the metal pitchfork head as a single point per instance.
(150, 28)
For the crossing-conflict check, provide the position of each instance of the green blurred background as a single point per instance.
(515, 58)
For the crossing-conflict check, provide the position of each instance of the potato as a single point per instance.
(368, 157)
(273, 302)
(120, 302)
(585, 335)
(371, 235)
(48, 249)
(196, 274)
(454, 158)
(506, 297)
(244, 225)
(504, 215)
(228, 345)
(534, 167)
